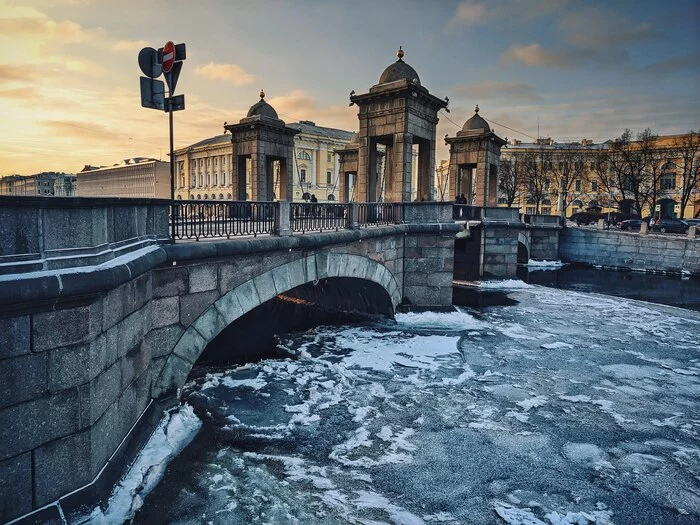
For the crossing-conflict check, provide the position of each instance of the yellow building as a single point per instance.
(139, 177)
(585, 176)
(203, 169)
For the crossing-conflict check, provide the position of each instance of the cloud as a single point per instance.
(671, 65)
(64, 32)
(80, 130)
(231, 73)
(473, 12)
(129, 45)
(512, 91)
(468, 13)
(23, 93)
(536, 55)
(593, 27)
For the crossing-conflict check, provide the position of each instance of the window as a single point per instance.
(502, 200)
(329, 177)
(330, 157)
(546, 211)
(303, 155)
(216, 179)
(529, 210)
(221, 196)
(668, 181)
(302, 175)
(594, 186)
(546, 185)
(579, 165)
(577, 184)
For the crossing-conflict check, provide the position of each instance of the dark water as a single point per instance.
(671, 290)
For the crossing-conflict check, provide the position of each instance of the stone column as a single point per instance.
(372, 178)
(401, 168)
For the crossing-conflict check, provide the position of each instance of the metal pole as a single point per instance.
(172, 170)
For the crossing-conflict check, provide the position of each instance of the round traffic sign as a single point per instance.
(168, 57)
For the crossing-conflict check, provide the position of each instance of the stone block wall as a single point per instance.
(75, 381)
(499, 250)
(544, 243)
(671, 253)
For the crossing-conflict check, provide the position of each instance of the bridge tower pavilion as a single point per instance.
(398, 113)
(474, 157)
(268, 142)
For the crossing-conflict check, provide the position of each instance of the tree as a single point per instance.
(624, 169)
(537, 176)
(686, 149)
(511, 179)
(567, 171)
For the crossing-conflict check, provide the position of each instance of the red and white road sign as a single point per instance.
(168, 57)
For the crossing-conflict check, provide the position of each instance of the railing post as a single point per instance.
(354, 216)
(282, 220)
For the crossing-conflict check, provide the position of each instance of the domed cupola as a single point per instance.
(476, 123)
(262, 108)
(399, 70)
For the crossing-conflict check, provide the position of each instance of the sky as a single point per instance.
(574, 69)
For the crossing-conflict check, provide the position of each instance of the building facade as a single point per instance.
(565, 178)
(47, 184)
(203, 171)
(139, 177)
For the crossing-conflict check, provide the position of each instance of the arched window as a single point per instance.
(199, 197)
(221, 196)
(228, 196)
(206, 197)
(179, 197)
(546, 202)
(668, 176)
(213, 196)
(303, 155)
(331, 197)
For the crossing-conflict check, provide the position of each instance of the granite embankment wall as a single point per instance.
(657, 252)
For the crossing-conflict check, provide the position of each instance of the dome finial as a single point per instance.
(399, 53)
(262, 94)
(476, 109)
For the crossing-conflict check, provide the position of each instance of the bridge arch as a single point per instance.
(245, 297)
(524, 247)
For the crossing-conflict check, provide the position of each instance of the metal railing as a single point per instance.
(313, 216)
(462, 212)
(379, 213)
(198, 219)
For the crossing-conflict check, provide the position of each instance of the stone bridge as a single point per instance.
(102, 318)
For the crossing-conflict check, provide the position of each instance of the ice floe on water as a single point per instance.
(504, 284)
(558, 410)
(173, 433)
(457, 320)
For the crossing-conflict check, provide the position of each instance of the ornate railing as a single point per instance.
(313, 216)
(379, 213)
(202, 219)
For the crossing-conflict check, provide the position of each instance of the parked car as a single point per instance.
(630, 224)
(584, 217)
(693, 222)
(670, 226)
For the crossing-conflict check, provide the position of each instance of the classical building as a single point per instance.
(47, 184)
(589, 172)
(139, 177)
(204, 170)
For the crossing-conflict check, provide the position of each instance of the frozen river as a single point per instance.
(566, 407)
